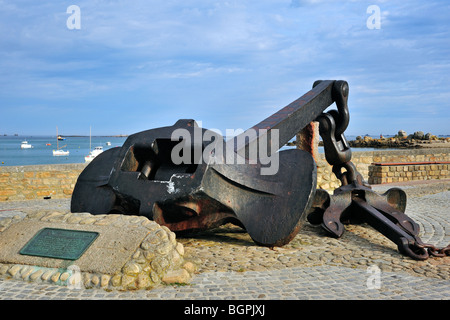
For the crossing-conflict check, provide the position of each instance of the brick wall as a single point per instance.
(409, 172)
(39, 181)
(363, 161)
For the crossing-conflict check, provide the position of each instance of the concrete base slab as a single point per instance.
(107, 254)
(130, 252)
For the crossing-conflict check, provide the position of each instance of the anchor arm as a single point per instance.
(406, 243)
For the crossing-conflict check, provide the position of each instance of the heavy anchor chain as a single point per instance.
(355, 201)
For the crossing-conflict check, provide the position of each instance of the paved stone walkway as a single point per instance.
(361, 265)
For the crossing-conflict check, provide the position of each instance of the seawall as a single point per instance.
(38, 181)
(58, 181)
(404, 159)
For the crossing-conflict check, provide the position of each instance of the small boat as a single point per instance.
(25, 145)
(108, 143)
(59, 151)
(61, 138)
(93, 154)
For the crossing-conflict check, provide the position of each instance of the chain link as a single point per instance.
(433, 250)
(331, 128)
(420, 250)
(338, 154)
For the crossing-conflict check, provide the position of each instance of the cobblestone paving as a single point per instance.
(361, 265)
(321, 282)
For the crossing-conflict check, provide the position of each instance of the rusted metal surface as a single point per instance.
(142, 178)
(355, 203)
(308, 139)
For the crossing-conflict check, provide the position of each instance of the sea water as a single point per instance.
(12, 155)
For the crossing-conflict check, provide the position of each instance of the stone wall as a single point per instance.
(363, 161)
(58, 181)
(39, 181)
(379, 173)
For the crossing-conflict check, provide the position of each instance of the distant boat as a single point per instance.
(59, 151)
(61, 138)
(108, 143)
(93, 153)
(25, 145)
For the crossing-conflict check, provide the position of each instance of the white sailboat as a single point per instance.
(93, 153)
(59, 151)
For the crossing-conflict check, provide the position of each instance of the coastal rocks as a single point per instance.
(418, 135)
(369, 142)
(400, 140)
(158, 259)
(402, 134)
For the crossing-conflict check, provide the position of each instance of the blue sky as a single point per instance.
(136, 65)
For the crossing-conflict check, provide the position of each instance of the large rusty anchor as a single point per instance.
(142, 177)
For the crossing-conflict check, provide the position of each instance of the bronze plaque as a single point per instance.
(59, 243)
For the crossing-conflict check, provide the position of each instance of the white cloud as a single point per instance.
(244, 53)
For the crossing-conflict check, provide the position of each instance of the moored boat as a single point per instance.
(59, 151)
(25, 145)
(93, 154)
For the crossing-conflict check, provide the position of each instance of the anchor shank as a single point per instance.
(289, 120)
